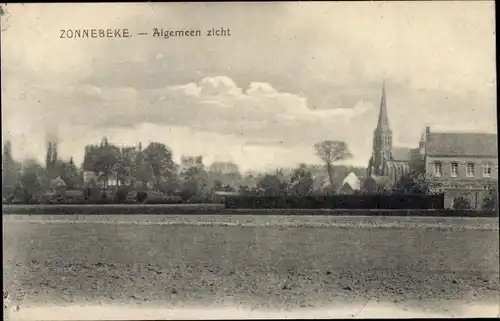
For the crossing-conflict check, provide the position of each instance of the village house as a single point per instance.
(350, 185)
(464, 163)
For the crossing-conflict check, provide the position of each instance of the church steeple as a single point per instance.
(383, 120)
(382, 139)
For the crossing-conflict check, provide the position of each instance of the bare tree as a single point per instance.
(331, 151)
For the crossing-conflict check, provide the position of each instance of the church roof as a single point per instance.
(461, 144)
(401, 154)
(379, 180)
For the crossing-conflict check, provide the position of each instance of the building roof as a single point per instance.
(401, 154)
(57, 182)
(352, 181)
(223, 193)
(461, 144)
(379, 180)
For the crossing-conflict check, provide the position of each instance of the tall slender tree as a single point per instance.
(330, 152)
(10, 169)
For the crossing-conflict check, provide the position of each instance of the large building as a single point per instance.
(465, 164)
(90, 172)
(190, 161)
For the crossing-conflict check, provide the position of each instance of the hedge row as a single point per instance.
(207, 209)
(111, 209)
(394, 201)
(366, 212)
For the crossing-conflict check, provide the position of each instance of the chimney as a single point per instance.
(427, 130)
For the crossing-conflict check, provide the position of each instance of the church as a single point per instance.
(388, 164)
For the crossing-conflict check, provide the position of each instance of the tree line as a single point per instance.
(153, 168)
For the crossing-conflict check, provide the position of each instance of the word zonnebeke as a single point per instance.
(156, 33)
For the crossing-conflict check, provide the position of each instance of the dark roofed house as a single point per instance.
(465, 163)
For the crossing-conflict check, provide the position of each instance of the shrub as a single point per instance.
(461, 203)
(186, 194)
(141, 197)
(490, 201)
(121, 195)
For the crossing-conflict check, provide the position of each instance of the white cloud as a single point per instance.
(217, 104)
(260, 88)
(219, 86)
(190, 89)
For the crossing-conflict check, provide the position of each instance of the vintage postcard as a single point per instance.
(249, 160)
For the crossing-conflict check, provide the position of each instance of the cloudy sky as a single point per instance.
(290, 74)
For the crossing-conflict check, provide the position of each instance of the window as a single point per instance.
(487, 170)
(454, 169)
(438, 169)
(470, 170)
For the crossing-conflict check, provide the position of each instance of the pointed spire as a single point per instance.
(383, 120)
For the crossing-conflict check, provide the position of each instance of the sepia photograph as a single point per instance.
(224, 160)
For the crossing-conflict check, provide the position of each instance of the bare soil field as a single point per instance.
(65, 260)
(249, 220)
